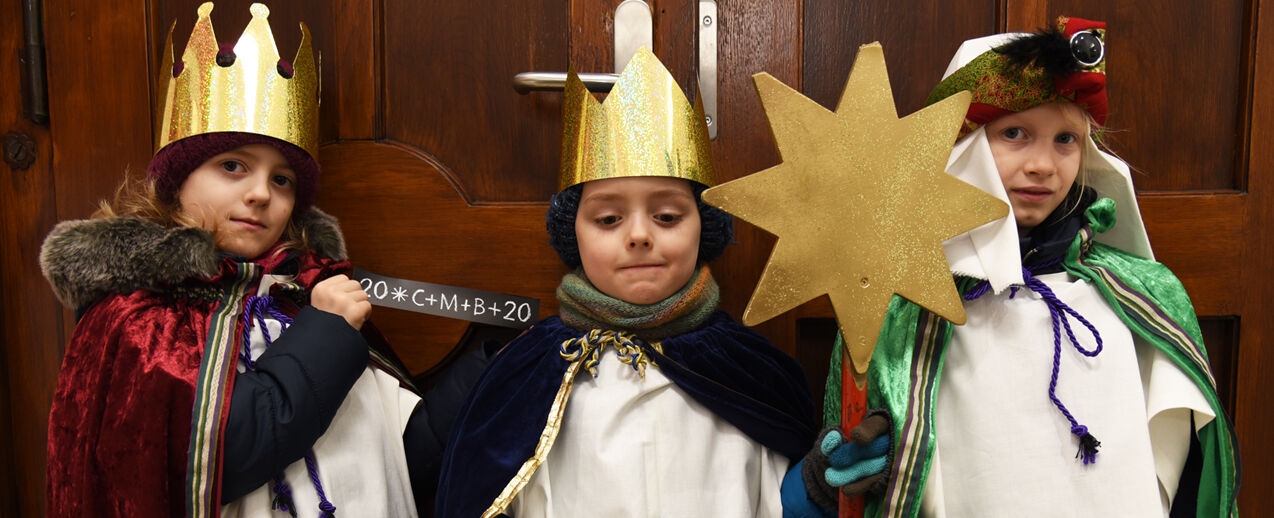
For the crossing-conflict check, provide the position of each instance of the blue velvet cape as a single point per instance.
(726, 367)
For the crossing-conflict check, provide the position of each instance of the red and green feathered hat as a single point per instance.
(1010, 73)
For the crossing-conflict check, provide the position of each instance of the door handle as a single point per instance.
(633, 29)
(527, 82)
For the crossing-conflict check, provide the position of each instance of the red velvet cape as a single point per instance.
(120, 426)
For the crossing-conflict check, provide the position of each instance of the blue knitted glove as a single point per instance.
(856, 466)
(850, 461)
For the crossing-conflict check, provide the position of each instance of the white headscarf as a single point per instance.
(991, 251)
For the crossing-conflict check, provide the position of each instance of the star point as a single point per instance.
(861, 204)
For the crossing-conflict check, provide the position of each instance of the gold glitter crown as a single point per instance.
(645, 127)
(250, 95)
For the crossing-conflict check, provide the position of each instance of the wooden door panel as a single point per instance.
(402, 216)
(919, 39)
(1178, 74)
(1201, 239)
(99, 110)
(1221, 334)
(31, 334)
(1255, 360)
(449, 93)
(752, 37)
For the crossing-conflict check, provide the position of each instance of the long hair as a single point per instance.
(138, 196)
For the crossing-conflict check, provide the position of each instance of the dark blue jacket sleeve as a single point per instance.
(426, 434)
(280, 409)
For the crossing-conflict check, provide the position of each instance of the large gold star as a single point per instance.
(860, 203)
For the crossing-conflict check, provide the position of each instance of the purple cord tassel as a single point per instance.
(1087, 444)
(1059, 310)
(256, 307)
(282, 496)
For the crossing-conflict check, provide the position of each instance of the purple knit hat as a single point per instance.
(171, 165)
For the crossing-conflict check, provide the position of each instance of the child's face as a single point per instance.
(638, 237)
(244, 197)
(1037, 152)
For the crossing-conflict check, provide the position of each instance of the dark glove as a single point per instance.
(857, 466)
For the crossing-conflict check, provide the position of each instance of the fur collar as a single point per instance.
(85, 260)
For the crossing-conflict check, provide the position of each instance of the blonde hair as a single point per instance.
(1091, 131)
(138, 196)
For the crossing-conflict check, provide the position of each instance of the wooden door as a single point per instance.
(440, 172)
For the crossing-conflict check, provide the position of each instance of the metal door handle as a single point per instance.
(633, 29)
(527, 82)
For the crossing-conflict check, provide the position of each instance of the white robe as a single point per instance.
(643, 448)
(1004, 449)
(360, 457)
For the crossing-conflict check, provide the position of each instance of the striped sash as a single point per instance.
(212, 394)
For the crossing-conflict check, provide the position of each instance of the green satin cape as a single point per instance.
(907, 363)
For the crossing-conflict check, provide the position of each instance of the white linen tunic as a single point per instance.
(633, 447)
(1004, 449)
(361, 461)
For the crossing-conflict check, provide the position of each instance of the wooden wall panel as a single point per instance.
(1177, 79)
(449, 68)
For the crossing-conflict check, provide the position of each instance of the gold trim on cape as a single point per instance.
(588, 355)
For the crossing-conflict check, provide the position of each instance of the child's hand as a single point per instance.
(340, 295)
(851, 465)
(859, 465)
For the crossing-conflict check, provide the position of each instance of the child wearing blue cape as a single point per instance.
(641, 398)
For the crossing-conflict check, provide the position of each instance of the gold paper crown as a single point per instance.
(249, 96)
(646, 127)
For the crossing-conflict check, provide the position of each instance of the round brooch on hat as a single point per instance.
(1087, 48)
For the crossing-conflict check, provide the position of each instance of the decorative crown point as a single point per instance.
(247, 95)
(645, 127)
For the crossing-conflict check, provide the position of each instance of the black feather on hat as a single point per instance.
(1047, 49)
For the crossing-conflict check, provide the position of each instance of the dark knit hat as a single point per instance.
(716, 226)
(172, 164)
